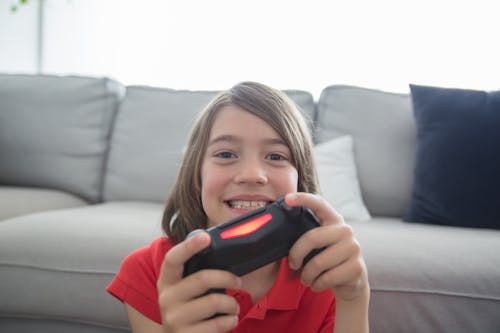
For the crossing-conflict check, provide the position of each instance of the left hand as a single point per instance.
(340, 266)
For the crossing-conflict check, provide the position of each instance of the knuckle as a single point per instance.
(168, 260)
(169, 319)
(210, 279)
(234, 304)
(165, 296)
(313, 235)
(358, 268)
(316, 263)
(203, 277)
(333, 279)
(213, 300)
(347, 230)
(221, 325)
(356, 248)
(320, 283)
(321, 200)
(338, 215)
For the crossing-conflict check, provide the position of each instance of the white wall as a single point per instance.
(18, 38)
(306, 44)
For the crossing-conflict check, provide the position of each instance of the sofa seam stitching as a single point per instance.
(435, 292)
(56, 269)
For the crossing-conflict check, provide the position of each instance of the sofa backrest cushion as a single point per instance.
(150, 132)
(54, 131)
(457, 169)
(383, 129)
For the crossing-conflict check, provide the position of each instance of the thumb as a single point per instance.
(172, 267)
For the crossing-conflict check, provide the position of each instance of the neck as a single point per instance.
(258, 282)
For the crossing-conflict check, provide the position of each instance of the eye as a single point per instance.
(225, 154)
(277, 157)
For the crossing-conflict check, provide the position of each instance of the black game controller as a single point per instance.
(254, 239)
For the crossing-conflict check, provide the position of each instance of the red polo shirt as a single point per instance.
(288, 306)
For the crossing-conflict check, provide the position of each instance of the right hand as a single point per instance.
(183, 304)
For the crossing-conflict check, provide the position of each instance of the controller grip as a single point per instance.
(311, 255)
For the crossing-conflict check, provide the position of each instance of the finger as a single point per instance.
(172, 267)
(317, 238)
(345, 279)
(203, 308)
(333, 256)
(325, 213)
(221, 324)
(198, 284)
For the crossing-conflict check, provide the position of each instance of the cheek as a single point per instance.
(212, 183)
(209, 178)
(294, 179)
(289, 181)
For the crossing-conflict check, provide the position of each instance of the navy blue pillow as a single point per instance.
(457, 171)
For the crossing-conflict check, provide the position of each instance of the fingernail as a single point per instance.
(200, 238)
(292, 265)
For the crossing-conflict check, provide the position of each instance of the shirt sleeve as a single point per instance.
(135, 282)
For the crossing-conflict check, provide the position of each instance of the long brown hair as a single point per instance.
(183, 210)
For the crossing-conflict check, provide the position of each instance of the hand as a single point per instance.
(340, 265)
(183, 303)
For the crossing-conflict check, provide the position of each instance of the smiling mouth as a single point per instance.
(244, 204)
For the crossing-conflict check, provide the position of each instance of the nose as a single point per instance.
(251, 172)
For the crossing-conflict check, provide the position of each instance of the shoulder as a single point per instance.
(140, 269)
(135, 282)
(148, 258)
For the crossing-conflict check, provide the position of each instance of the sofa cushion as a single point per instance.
(457, 172)
(66, 259)
(383, 130)
(429, 278)
(54, 131)
(16, 201)
(338, 178)
(151, 129)
(306, 105)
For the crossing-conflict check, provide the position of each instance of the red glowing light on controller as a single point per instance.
(247, 227)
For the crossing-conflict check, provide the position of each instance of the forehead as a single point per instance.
(237, 122)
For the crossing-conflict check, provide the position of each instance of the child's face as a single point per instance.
(246, 165)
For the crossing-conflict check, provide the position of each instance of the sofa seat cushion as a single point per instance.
(16, 201)
(427, 278)
(55, 265)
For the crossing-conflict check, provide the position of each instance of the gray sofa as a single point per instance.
(85, 164)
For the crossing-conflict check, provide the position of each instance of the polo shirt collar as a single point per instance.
(287, 290)
(284, 295)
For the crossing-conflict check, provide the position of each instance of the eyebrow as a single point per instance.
(233, 138)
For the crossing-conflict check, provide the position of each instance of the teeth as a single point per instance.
(247, 204)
